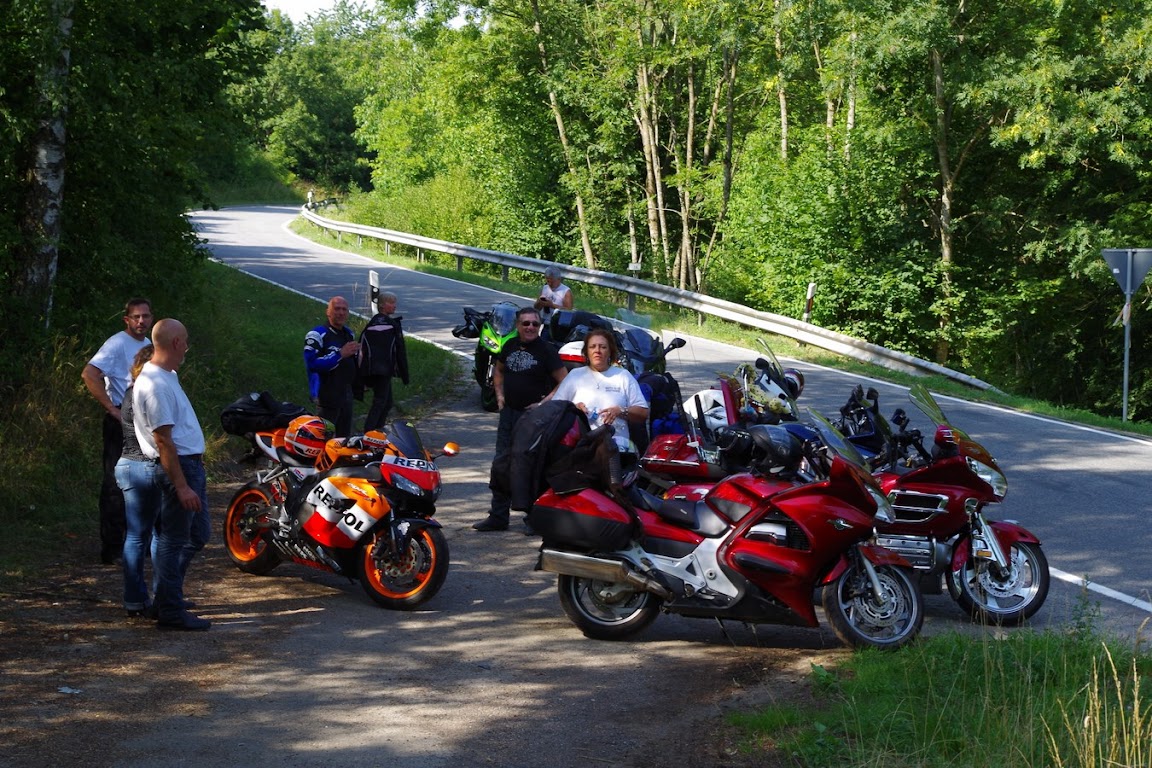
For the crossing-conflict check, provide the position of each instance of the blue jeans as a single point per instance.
(182, 533)
(139, 481)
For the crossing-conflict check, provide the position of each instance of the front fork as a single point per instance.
(985, 543)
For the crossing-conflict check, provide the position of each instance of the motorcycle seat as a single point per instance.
(291, 460)
(696, 516)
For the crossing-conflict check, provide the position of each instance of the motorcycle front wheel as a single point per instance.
(604, 610)
(247, 529)
(406, 580)
(483, 370)
(862, 621)
(994, 597)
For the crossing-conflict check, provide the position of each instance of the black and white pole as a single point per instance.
(1129, 266)
(808, 302)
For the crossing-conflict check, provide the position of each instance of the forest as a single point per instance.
(946, 173)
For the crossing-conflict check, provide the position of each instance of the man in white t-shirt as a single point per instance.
(553, 296)
(108, 376)
(169, 433)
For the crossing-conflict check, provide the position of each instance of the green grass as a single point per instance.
(1024, 699)
(245, 335)
(606, 302)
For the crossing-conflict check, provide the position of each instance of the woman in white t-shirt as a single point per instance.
(607, 393)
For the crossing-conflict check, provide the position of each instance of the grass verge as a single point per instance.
(244, 334)
(1027, 699)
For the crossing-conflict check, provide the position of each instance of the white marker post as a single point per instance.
(1129, 266)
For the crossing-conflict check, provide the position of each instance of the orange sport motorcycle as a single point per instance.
(360, 507)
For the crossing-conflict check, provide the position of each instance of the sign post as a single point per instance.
(1129, 266)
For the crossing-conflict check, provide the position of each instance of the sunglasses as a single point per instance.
(530, 324)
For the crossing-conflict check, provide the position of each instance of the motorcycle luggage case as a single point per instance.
(586, 519)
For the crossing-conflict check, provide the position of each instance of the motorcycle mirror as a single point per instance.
(900, 418)
(763, 365)
(450, 449)
(676, 343)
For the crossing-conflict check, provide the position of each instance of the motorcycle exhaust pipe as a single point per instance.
(585, 567)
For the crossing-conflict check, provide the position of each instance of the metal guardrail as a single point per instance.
(698, 302)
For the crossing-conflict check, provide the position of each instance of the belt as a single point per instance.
(192, 456)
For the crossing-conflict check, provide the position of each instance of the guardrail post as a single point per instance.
(387, 248)
(459, 262)
(504, 273)
(359, 241)
(420, 255)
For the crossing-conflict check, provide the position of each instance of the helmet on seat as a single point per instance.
(306, 436)
(775, 449)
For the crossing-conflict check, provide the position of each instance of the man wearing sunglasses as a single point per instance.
(527, 372)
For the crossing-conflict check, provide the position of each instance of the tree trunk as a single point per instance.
(781, 94)
(45, 201)
(944, 217)
(565, 145)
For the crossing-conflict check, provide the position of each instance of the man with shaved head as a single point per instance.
(330, 352)
(170, 435)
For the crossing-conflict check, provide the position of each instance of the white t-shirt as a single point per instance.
(556, 296)
(615, 387)
(158, 400)
(114, 359)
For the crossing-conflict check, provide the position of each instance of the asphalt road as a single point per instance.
(491, 672)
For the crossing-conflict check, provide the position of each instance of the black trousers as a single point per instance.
(112, 523)
(381, 402)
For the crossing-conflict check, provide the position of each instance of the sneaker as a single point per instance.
(187, 622)
(491, 524)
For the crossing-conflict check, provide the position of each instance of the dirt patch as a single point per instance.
(79, 677)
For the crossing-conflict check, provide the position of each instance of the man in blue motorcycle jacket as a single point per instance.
(528, 370)
(330, 356)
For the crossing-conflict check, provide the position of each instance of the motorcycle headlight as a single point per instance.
(989, 475)
(406, 485)
(884, 512)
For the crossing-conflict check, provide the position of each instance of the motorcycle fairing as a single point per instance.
(341, 507)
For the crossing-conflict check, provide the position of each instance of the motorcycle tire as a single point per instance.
(991, 599)
(246, 529)
(484, 365)
(604, 610)
(860, 622)
(405, 582)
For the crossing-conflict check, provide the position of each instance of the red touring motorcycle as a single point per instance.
(360, 507)
(995, 570)
(753, 549)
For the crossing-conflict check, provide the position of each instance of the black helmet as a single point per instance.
(775, 449)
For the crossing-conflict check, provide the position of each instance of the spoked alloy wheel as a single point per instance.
(406, 581)
(247, 531)
(861, 621)
(604, 610)
(1002, 598)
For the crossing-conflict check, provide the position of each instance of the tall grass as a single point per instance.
(245, 335)
(1025, 699)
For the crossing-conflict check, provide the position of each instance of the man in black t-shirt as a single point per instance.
(527, 372)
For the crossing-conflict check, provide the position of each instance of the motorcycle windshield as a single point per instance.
(927, 404)
(836, 443)
(406, 439)
(503, 320)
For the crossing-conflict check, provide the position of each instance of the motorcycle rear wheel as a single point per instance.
(412, 579)
(860, 622)
(604, 610)
(992, 599)
(247, 534)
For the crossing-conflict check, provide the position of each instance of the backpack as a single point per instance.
(258, 412)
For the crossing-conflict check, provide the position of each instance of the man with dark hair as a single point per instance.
(107, 376)
(330, 356)
(527, 371)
